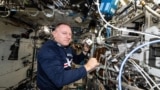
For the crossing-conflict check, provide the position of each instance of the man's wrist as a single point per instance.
(87, 68)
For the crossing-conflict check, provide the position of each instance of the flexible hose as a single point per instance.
(125, 60)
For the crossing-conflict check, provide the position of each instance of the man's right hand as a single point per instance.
(91, 64)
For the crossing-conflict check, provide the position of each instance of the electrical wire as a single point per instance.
(32, 13)
(155, 86)
(124, 29)
(121, 29)
(143, 3)
(135, 65)
(7, 15)
(139, 68)
(152, 11)
(126, 58)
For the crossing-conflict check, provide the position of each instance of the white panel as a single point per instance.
(13, 71)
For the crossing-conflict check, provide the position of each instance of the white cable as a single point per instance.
(33, 14)
(49, 14)
(121, 29)
(145, 74)
(124, 61)
(8, 13)
(100, 31)
(155, 86)
(135, 65)
(152, 11)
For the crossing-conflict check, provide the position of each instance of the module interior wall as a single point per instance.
(13, 71)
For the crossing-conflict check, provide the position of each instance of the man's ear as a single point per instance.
(53, 34)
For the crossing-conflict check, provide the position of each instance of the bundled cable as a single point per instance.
(122, 29)
(126, 58)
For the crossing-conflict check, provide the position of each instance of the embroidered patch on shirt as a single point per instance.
(68, 63)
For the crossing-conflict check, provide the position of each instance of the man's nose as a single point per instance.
(69, 36)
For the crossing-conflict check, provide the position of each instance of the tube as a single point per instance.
(124, 61)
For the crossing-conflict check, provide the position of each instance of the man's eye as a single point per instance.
(64, 33)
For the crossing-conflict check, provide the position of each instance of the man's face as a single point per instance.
(63, 35)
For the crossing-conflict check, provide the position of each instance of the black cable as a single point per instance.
(129, 5)
(33, 56)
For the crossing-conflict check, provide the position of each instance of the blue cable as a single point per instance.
(124, 61)
(108, 30)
